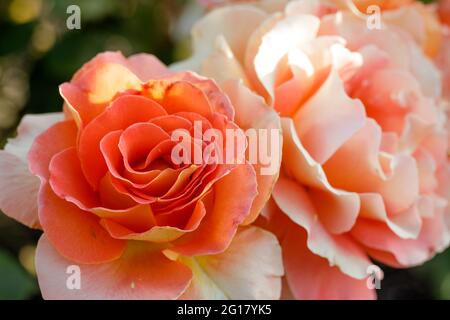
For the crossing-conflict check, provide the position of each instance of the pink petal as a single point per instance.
(19, 186)
(251, 268)
(340, 250)
(288, 33)
(222, 23)
(337, 209)
(18, 199)
(311, 277)
(394, 177)
(328, 119)
(147, 67)
(142, 273)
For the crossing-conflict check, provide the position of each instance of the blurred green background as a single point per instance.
(38, 52)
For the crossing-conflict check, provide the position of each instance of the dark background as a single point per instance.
(38, 52)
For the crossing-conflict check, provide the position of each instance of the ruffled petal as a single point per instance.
(337, 209)
(233, 198)
(340, 250)
(311, 277)
(123, 112)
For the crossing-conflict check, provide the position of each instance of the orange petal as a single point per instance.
(138, 219)
(155, 233)
(123, 112)
(171, 122)
(68, 182)
(76, 234)
(175, 99)
(233, 197)
(113, 195)
(57, 138)
(138, 140)
(96, 83)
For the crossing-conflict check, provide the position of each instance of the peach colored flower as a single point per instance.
(365, 169)
(111, 200)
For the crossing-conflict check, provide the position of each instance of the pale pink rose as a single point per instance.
(365, 172)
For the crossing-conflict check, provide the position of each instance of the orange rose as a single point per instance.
(112, 201)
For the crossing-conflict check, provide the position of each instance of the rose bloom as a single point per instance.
(100, 182)
(365, 170)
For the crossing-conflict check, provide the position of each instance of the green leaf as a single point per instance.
(15, 282)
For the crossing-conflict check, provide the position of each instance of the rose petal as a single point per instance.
(311, 277)
(222, 23)
(57, 138)
(234, 195)
(337, 209)
(147, 66)
(18, 199)
(338, 249)
(68, 182)
(76, 234)
(141, 273)
(249, 269)
(96, 83)
(123, 112)
(324, 124)
(252, 112)
(30, 127)
(275, 44)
